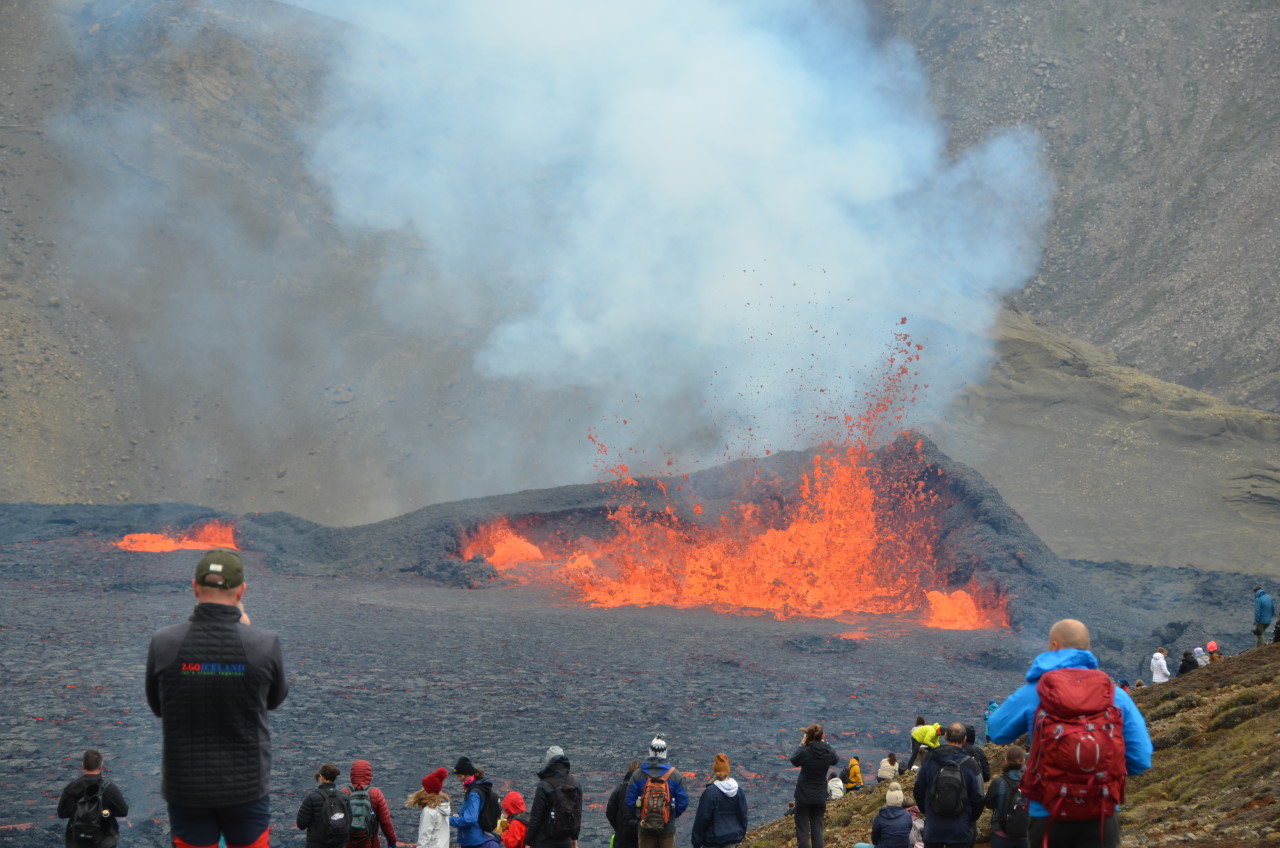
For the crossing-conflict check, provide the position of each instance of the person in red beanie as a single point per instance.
(380, 815)
(433, 826)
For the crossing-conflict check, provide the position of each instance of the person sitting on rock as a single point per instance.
(1188, 663)
(1159, 668)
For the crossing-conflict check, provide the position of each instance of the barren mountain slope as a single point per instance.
(1160, 122)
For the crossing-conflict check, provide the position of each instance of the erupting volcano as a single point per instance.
(213, 534)
(856, 535)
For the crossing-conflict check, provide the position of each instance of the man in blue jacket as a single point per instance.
(1264, 609)
(1069, 648)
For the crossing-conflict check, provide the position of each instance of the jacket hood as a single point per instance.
(727, 785)
(892, 812)
(1054, 660)
(512, 804)
(361, 773)
(557, 767)
(946, 753)
(820, 745)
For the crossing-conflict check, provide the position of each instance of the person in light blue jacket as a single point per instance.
(1068, 648)
(1264, 609)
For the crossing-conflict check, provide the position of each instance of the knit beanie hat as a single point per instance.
(721, 767)
(893, 798)
(464, 766)
(434, 782)
(658, 747)
(1197, 651)
(552, 752)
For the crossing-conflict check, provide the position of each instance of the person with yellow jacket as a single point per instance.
(923, 736)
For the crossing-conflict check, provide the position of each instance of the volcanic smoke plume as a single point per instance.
(683, 224)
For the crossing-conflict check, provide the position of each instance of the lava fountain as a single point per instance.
(856, 535)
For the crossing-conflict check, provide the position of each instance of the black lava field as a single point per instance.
(409, 672)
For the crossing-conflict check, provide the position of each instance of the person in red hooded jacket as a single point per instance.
(516, 821)
(362, 780)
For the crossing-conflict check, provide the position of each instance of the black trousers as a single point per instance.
(1076, 834)
(809, 824)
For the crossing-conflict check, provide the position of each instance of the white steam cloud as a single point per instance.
(714, 208)
(703, 219)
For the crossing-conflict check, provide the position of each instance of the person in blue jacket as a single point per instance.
(467, 821)
(721, 819)
(1069, 648)
(1264, 609)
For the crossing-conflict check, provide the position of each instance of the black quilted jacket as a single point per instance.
(211, 681)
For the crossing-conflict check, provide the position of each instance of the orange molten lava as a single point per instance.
(215, 534)
(851, 539)
(500, 545)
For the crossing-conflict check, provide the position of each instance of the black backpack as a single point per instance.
(92, 817)
(490, 807)
(565, 818)
(362, 822)
(1015, 816)
(335, 812)
(948, 796)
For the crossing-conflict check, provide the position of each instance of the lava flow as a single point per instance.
(214, 534)
(852, 538)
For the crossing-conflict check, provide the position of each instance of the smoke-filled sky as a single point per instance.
(703, 218)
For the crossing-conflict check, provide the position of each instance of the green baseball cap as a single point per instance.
(221, 569)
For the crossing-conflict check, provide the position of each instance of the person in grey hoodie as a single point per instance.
(814, 757)
(721, 820)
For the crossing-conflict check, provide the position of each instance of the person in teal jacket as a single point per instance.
(1068, 648)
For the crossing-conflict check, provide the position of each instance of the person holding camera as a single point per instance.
(814, 757)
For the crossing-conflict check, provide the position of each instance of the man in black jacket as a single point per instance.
(114, 805)
(211, 680)
(545, 831)
(946, 829)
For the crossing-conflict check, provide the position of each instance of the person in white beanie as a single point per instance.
(892, 825)
(657, 821)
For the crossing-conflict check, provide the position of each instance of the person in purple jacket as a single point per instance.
(1069, 648)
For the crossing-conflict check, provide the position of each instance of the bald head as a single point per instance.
(1069, 633)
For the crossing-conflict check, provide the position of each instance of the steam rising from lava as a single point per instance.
(697, 218)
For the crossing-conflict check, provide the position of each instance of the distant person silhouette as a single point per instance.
(211, 680)
(1264, 609)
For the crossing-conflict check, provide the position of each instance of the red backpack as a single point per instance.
(1076, 767)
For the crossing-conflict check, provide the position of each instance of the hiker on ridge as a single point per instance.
(658, 796)
(814, 757)
(1159, 668)
(1264, 609)
(1009, 816)
(949, 792)
(1188, 663)
(1065, 680)
(102, 830)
